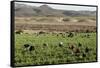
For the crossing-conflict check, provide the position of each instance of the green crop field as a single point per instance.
(48, 51)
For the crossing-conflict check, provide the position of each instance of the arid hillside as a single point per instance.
(62, 24)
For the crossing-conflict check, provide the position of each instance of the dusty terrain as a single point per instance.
(63, 24)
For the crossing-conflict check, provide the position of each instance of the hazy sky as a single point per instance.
(62, 7)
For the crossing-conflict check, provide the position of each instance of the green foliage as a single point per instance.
(52, 53)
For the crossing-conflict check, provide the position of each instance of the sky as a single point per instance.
(63, 7)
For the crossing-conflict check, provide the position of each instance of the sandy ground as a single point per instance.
(55, 24)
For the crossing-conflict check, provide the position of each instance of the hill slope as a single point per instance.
(45, 10)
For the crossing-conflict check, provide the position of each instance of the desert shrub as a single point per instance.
(87, 31)
(66, 19)
(42, 32)
(45, 19)
(93, 19)
(19, 31)
(77, 30)
(82, 20)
